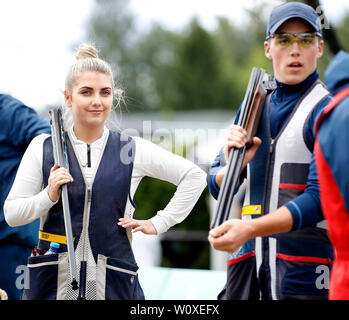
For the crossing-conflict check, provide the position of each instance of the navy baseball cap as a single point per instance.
(293, 10)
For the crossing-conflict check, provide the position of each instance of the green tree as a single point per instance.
(156, 60)
(197, 75)
(343, 31)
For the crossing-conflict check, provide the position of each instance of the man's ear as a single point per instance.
(67, 98)
(320, 49)
(267, 50)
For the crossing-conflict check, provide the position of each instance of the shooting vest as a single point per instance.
(285, 265)
(106, 265)
(334, 207)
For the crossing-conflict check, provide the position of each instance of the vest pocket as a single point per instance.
(241, 276)
(241, 279)
(118, 279)
(293, 181)
(305, 277)
(41, 278)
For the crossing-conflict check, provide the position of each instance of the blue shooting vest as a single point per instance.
(95, 211)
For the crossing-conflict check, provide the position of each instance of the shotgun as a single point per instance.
(61, 157)
(259, 85)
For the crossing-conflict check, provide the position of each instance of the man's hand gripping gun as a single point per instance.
(259, 85)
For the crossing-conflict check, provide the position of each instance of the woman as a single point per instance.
(105, 170)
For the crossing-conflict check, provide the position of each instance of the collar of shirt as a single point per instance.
(95, 147)
(284, 99)
(285, 90)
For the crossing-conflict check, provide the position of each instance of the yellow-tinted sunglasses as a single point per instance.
(286, 39)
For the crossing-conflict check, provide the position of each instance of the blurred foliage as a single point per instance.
(162, 70)
(343, 32)
(190, 69)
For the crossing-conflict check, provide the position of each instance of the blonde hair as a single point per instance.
(87, 60)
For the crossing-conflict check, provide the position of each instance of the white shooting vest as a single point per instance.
(288, 149)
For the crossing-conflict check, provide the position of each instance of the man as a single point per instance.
(280, 247)
(19, 124)
(332, 159)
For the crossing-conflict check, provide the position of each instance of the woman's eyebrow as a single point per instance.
(85, 87)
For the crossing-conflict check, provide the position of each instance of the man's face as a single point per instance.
(293, 64)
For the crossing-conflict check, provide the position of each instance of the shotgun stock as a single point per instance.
(259, 85)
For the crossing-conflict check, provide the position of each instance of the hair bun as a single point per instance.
(86, 51)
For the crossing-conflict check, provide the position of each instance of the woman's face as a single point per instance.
(91, 99)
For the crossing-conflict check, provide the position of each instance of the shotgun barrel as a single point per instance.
(61, 157)
(251, 110)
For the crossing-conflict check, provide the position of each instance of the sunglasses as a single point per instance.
(286, 39)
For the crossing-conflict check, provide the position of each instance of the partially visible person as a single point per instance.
(332, 160)
(19, 124)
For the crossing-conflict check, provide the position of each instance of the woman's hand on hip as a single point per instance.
(138, 225)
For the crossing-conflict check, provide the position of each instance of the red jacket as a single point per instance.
(332, 154)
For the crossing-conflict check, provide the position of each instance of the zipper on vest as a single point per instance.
(85, 222)
(271, 148)
(84, 235)
(88, 156)
(89, 196)
(83, 279)
(270, 165)
(265, 268)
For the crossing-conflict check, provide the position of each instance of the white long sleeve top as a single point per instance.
(28, 201)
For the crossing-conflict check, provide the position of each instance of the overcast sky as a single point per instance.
(36, 36)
